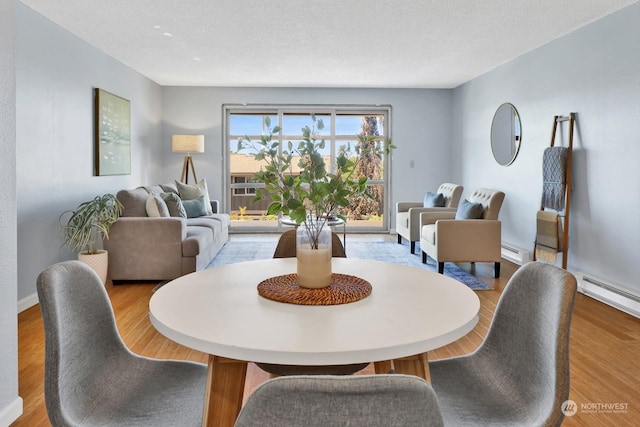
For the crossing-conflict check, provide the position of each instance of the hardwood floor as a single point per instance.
(605, 350)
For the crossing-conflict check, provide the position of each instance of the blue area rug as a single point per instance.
(245, 249)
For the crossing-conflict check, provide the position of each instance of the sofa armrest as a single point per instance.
(468, 240)
(405, 206)
(431, 215)
(143, 248)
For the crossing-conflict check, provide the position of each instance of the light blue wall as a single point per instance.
(421, 126)
(10, 403)
(56, 74)
(595, 72)
(445, 132)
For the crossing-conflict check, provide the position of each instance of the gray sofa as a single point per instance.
(142, 247)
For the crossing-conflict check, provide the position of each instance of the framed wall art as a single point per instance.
(112, 134)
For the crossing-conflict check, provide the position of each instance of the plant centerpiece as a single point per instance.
(316, 194)
(88, 222)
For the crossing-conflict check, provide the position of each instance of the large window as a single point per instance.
(341, 127)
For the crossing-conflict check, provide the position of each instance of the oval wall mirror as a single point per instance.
(506, 134)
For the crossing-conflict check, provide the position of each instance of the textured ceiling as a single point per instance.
(320, 43)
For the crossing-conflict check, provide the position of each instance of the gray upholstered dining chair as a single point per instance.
(91, 377)
(520, 373)
(359, 400)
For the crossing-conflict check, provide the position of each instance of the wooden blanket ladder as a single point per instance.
(564, 213)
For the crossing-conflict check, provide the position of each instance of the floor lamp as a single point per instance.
(187, 144)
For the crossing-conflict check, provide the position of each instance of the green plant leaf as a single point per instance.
(91, 220)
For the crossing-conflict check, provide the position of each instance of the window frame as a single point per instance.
(333, 140)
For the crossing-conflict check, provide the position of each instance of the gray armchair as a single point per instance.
(520, 373)
(91, 377)
(359, 400)
(465, 240)
(408, 213)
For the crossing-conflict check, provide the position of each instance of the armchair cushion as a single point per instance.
(469, 210)
(432, 200)
(429, 233)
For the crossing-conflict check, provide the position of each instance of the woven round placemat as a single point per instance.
(342, 290)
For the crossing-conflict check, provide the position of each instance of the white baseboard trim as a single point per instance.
(27, 302)
(515, 254)
(11, 412)
(609, 293)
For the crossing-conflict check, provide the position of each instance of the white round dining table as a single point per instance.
(218, 311)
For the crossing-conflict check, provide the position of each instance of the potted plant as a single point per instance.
(89, 222)
(316, 194)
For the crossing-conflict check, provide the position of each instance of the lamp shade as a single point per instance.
(187, 143)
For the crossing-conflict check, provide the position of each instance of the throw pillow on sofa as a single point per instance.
(194, 207)
(174, 204)
(133, 201)
(190, 192)
(156, 207)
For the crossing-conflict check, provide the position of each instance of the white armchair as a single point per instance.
(408, 213)
(465, 240)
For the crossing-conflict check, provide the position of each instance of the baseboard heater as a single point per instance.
(515, 254)
(617, 297)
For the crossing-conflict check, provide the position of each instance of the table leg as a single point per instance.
(225, 387)
(383, 367)
(413, 365)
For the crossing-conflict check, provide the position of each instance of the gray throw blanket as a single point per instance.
(554, 166)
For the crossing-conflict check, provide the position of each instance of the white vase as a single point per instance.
(313, 252)
(99, 262)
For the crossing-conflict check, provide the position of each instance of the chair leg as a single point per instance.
(441, 267)
(399, 239)
(413, 248)
(496, 269)
(424, 257)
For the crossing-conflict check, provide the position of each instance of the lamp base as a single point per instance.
(188, 161)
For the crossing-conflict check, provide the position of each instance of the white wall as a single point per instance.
(421, 129)
(595, 72)
(56, 74)
(10, 403)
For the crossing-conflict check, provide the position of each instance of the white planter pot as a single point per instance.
(99, 262)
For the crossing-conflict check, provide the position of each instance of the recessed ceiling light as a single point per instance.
(195, 58)
(157, 27)
(167, 34)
